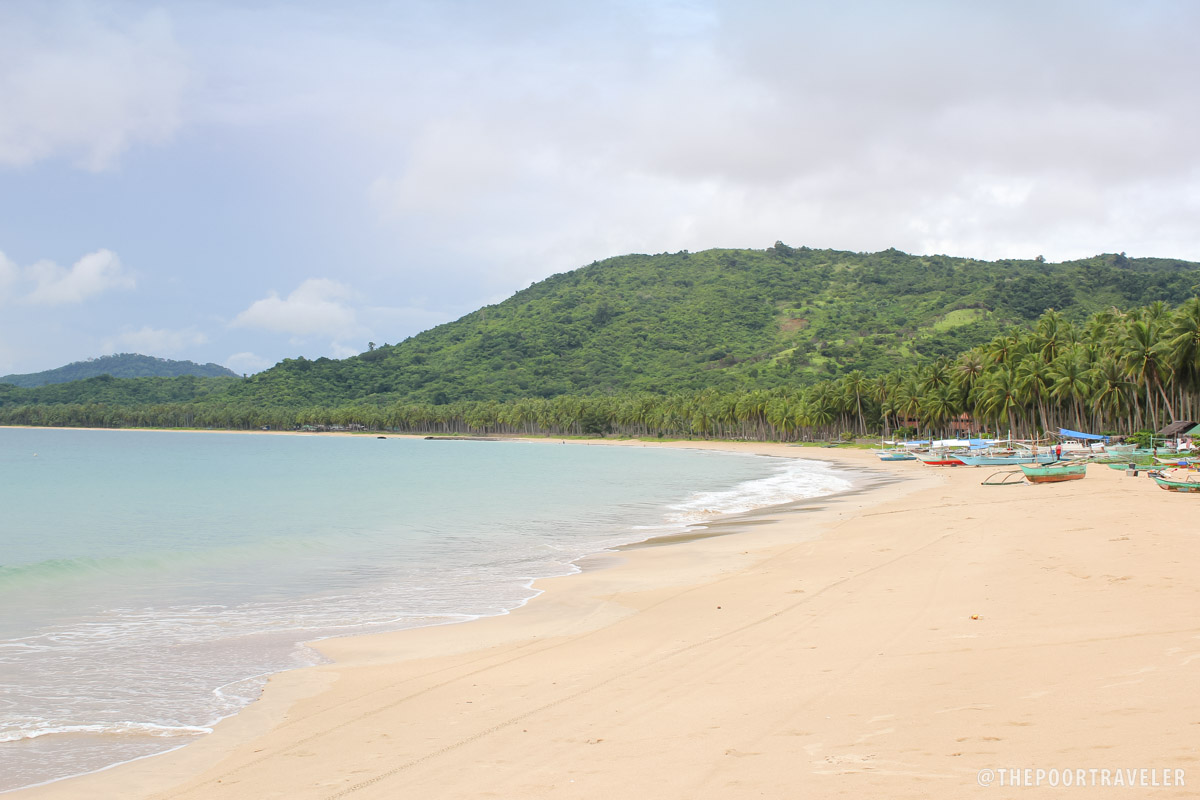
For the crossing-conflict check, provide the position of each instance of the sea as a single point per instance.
(150, 581)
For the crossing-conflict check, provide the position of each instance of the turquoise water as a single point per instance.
(149, 582)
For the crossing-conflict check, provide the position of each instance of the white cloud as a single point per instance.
(807, 124)
(318, 307)
(526, 138)
(247, 363)
(77, 85)
(155, 341)
(94, 273)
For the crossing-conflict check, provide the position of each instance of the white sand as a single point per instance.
(829, 653)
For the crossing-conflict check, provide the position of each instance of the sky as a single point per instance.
(243, 182)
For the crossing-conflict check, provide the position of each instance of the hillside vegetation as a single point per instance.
(120, 365)
(784, 343)
(721, 319)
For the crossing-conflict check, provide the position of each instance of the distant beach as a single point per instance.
(896, 642)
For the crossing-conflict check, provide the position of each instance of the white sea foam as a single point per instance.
(795, 479)
(33, 728)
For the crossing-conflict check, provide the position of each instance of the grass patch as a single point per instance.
(958, 318)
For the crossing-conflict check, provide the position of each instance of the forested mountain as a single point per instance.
(777, 344)
(120, 365)
(722, 319)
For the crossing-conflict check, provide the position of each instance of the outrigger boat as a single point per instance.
(950, 452)
(1182, 461)
(895, 455)
(1188, 481)
(897, 451)
(1054, 473)
(940, 459)
(999, 460)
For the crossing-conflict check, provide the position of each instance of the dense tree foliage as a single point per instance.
(783, 344)
(117, 391)
(120, 365)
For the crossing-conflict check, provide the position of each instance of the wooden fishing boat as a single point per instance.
(1181, 461)
(1054, 473)
(1000, 459)
(940, 459)
(895, 455)
(1178, 481)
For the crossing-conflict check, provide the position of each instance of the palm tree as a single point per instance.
(909, 398)
(881, 392)
(936, 375)
(971, 365)
(856, 384)
(1111, 390)
(1182, 339)
(1033, 383)
(1051, 333)
(940, 406)
(1000, 396)
(1145, 362)
(1002, 349)
(819, 413)
(1071, 380)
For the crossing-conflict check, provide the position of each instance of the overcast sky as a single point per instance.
(243, 182)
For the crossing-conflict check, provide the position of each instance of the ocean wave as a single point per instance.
(796, 479)
(35, 729)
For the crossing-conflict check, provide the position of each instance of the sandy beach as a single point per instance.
(897, 642)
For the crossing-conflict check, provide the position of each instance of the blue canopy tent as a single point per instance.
(1077, 435)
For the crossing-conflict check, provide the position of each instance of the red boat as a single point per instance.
(940, 460)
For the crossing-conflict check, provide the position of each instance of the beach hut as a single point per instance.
(1181, 433)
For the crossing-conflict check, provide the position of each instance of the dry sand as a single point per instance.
(832, 652)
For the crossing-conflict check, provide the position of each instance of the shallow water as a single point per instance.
(149, 582)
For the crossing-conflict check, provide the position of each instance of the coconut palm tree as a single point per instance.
(1146, 363)
(936, 375)
(967, 371)
(1000, 396)
(940, 406)
(1110, 398)
(856, 385)
(1182, 338)
(1071, 380)
(1033, 382)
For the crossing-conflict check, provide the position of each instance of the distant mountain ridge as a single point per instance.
(120, 365)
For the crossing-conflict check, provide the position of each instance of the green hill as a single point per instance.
(120, 365)
(723, 319)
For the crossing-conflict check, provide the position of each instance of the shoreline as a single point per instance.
(815, 652)
(722, 525)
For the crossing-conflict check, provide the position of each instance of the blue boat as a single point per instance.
(1001, 460)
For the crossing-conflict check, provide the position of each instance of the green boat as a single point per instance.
(1178, 483)
(1054, 473)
